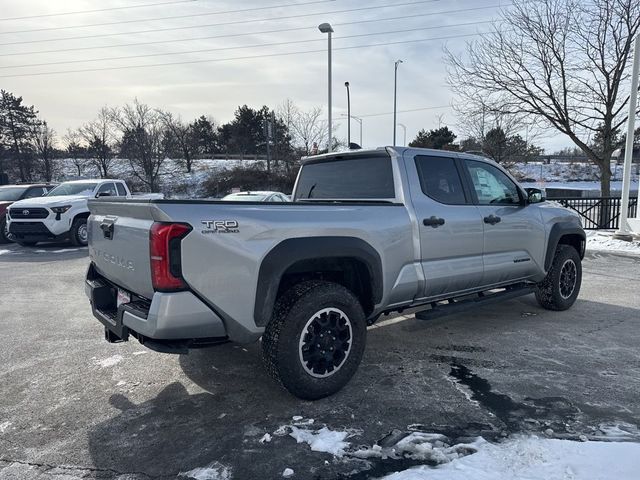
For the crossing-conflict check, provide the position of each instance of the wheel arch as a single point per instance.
(565, 233)
(80, 215)
(349, 261)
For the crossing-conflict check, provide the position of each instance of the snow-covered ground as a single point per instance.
(175, 181)
(521, 457)
(534, 458)
(567, 172)
(602, 240)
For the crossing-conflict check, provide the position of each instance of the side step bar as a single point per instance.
(441, 309)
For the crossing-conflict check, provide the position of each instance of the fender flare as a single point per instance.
(558, 231)
(293, 250)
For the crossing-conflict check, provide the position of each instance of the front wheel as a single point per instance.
(560, 288)
(79, 234)
(4, 230)
(315, 340)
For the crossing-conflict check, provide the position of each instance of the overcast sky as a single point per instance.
(217, 81)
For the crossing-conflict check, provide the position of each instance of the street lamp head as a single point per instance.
(325, 28)
(398, 62)
(346, 84)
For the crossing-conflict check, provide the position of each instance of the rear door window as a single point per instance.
(347, 178)
(121, 190)
(440, 179)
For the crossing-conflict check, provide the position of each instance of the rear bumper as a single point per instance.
(168, 322)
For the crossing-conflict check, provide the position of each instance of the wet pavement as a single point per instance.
(73, 406)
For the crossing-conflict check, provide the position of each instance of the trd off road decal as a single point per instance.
(220, 226)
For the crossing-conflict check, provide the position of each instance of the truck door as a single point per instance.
(514, 235)
(450, 225)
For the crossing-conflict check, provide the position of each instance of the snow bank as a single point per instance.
(533, 458)
(603, 241)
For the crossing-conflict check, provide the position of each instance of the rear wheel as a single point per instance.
(315, 340)
(79, 234)
(560, 288)
(4, 230)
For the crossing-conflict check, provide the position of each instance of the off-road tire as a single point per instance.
(553, 291)
(285, 333)
(3, 226)
(75, 235)
(27, 244)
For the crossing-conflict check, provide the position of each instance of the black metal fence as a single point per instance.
(599, 213)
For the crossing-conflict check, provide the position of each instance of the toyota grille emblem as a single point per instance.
(25, 212)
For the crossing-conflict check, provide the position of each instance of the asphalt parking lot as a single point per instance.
(73, 406)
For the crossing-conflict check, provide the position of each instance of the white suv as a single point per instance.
(62, 214)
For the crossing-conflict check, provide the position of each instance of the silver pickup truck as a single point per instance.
(368, 233)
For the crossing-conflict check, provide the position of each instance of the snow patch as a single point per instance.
(4, 251)
(266, 438)
(427, 447)
(323, 440)
(287, 473)
(111, 361)
(535, 458)
(213, 471)
(604, 241)
(4, 426)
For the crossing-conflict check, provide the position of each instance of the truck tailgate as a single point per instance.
(119, 242)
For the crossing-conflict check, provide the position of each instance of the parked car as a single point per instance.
(257, 197)
(10, 194)
(368, 233)
(62, 213)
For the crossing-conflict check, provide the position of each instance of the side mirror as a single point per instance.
(103, 194)
(535, 195)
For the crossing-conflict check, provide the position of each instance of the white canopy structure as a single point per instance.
(630, 226)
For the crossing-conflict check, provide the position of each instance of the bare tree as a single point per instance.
(182, 138)
(72, 141)
(44, 139)
(307, 127)
(100, 137)
(562, 63)
(143, 135)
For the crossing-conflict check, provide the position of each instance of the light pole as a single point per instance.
(346, 84)
(404, 128)
(326, 28)
(395, 97)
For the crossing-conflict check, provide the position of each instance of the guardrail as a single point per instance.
(599, 213)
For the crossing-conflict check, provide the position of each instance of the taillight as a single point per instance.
(165, 251)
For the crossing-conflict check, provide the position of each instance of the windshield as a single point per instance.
(245, 197)
(73, 189)
(11, 194)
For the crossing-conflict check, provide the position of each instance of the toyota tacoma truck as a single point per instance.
(62, 213)
(368, 233)
(9, 194)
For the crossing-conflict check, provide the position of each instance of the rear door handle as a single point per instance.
(492, 219)
(433, 221)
